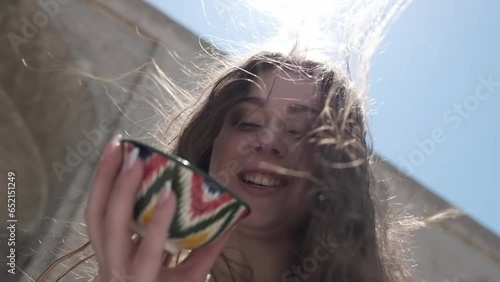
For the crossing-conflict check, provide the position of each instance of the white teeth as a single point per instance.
(261, 179)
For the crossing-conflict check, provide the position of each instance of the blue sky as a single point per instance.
(436, 88)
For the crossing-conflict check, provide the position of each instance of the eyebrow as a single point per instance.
(291, 108)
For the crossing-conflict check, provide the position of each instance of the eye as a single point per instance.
(297, 133)
(248, 125)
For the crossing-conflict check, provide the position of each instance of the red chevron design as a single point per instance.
(155, 163)
(199, 204)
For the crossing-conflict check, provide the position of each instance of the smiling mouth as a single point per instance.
(262, 180)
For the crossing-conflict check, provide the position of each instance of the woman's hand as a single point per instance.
(109, 215)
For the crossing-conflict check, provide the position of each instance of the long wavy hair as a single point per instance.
(350, 210)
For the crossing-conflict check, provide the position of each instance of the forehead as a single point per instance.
(281, 87)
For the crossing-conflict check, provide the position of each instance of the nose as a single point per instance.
(269, 142)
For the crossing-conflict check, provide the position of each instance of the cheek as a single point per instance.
(302, 157)
(300, 204)
(304, 162)
(230, 150)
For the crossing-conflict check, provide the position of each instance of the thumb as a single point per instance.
(200, 261)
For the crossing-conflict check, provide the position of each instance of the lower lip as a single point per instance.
(256, 191)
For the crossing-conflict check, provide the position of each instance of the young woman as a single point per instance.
(288, 135)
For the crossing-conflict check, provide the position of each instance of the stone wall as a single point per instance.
(70, 73)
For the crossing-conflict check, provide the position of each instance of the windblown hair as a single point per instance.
(350, 211)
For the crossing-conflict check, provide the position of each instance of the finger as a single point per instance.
(100, 190)
(150, 253)
(200, 261)
(118, 234)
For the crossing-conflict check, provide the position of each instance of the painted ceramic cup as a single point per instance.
(205, 208)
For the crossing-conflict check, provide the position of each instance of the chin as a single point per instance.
(262, 223)
(258, 227)
(270, 214)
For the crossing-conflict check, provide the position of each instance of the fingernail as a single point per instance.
(112, 143)
(131, 158)
(165, 194)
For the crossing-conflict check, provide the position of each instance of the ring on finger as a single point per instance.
(136, 238)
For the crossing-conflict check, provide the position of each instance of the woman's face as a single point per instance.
(258, 130)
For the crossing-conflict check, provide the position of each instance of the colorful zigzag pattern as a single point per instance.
(205, 210)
